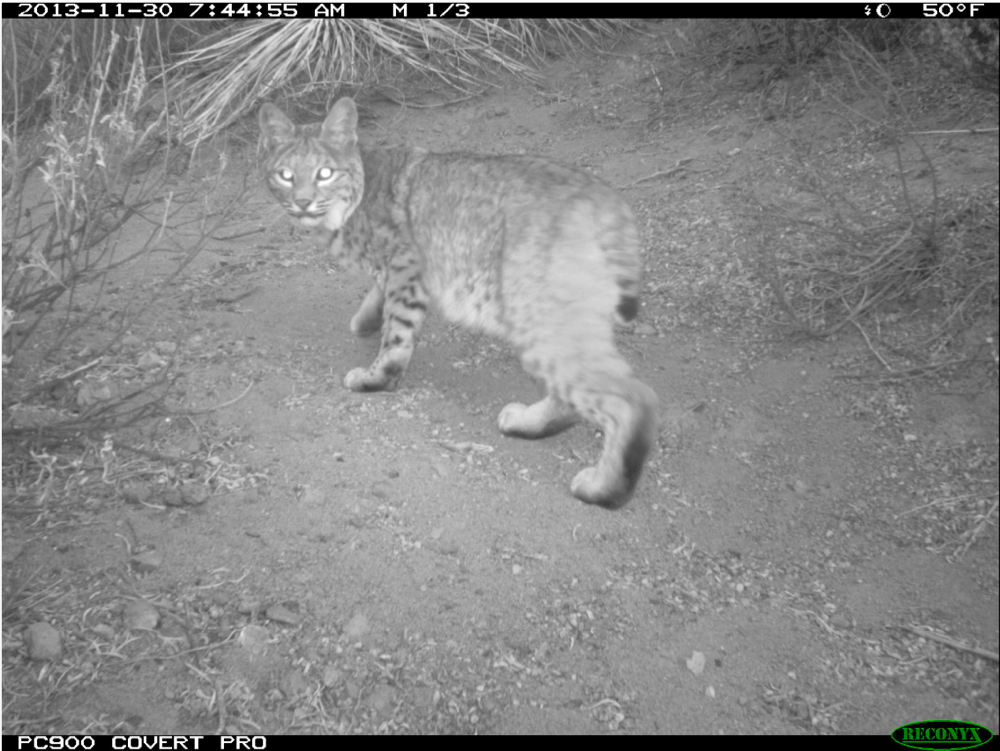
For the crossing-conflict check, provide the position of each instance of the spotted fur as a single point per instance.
(540, 254)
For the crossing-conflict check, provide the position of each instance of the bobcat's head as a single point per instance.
(314, 170)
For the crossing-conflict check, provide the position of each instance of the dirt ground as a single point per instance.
(391, 563)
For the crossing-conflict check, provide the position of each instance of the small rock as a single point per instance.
(799, 486)
(140, 614)
(293, 684)
(839, 621)
(312, 495)
(644, 329)
(254, 639)
(353, 690)
(696, 663)
(43, 642)
(382, 698)
(146, 562)
(247, 606)
(357, 627)
(167, 348)
(332, 676)
(171, 497)
(105, 630)
(450, 547)
(381, 489)
(150, 360)
(131, 340)
(281, 614)
(90, 393)
(194, 493)
(137, 492)
(11, 550)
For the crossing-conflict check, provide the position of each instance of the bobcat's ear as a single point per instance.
(274, 124)
(341, 124)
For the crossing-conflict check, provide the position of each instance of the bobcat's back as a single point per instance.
(504, 237)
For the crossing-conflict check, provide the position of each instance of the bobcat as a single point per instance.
(540, 254)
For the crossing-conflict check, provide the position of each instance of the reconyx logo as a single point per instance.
(950, 735)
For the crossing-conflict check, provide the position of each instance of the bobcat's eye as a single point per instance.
(325, 173)
(285, 175)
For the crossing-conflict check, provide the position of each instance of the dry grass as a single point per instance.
(839, 249)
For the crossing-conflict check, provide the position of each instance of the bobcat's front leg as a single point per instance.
(403, 312)
(368, 319)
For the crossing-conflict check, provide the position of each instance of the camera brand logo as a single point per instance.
(941, 735)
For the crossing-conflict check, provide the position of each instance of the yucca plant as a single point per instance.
(228, 74)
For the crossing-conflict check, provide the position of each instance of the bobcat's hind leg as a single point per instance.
(368, 320)
(539, 420)
(626, 411)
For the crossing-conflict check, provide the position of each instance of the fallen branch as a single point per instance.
(662, 173)
(963, 132)
(953, 643)
(231, 402)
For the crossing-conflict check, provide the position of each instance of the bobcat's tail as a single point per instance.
(628, 306)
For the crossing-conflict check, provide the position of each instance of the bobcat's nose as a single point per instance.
(303, 203)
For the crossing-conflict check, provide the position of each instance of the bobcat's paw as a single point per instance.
(590, 487)
(357, 380)
(361, 379)
(539, 420)
(511, 419)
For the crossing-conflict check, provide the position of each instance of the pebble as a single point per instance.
(332, 676)
(137, 493)
(247, 606)
(313, 495)
(171, 497)
(357, 627)
(382, 698)
(194, 493)
(43, 642)
(150, 360)
(281, 614)
(103, 629)
(146, 562)
(11, 550)
(140, 614)
(254, 639)
(293, 684)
